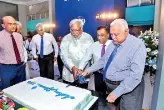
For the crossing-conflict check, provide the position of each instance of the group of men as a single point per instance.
(114, 66)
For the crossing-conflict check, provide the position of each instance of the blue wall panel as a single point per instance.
(119, 7)
(68, 10)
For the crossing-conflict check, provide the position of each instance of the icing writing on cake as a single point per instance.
(48, 89)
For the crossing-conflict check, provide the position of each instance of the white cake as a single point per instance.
(45, 94)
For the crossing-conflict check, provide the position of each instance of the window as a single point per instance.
(131, 3)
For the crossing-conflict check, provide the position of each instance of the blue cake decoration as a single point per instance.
(48, 89)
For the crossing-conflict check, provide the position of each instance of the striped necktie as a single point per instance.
(16, 51)
(103, 50)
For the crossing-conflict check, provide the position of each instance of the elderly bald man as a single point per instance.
(12, 66)
(123, 64)
(73, 48)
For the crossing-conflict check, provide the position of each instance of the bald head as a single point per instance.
(9, 24)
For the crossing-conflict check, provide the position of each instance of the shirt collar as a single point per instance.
(77, 37)
(42, 35)
(107, 42)
(7, 32)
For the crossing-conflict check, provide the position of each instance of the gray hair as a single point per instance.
(39, 25)
(120, 22)
(18, 23)
(76, 21)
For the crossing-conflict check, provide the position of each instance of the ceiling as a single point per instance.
(25, 2)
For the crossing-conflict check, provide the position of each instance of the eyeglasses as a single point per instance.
(75, 30)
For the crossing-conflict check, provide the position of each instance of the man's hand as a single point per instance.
(30, 57)
(84, 73)
(36, 59)
(1, 92)
(55, 59)
(79, 71)
(24, 63)
(74, 71)
(111, 98)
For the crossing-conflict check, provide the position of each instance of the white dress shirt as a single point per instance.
(28, 45)
(94, 53)
(49, 44)
(25, 55)
(72, 51)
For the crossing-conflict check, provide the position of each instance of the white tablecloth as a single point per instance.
(32, 70)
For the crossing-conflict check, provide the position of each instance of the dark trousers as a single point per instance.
(11, 74)
(46, 66)
(100, 91)
(60, 66)
(100, 85)
(132, 100)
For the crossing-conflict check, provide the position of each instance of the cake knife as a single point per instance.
(73, 83)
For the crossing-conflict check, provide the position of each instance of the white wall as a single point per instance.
(157, 15)
(51, 12)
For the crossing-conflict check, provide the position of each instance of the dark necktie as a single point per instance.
(41, 47)
(102, 54)
(103, 50)
(29, 46)
(109, 61)
(16, 51)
